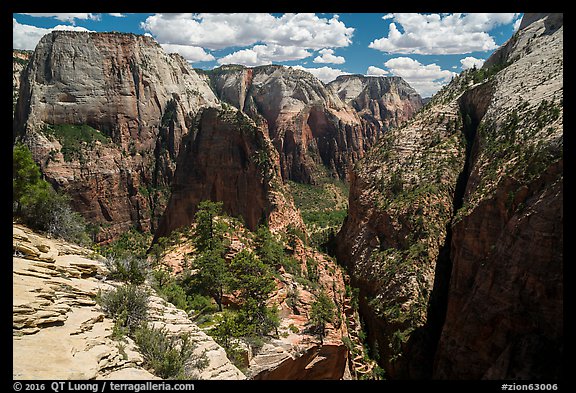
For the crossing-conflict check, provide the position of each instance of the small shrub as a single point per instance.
(292, 233)
(312, 270)
(38, 205)
(59, 219)
(131, 243)
(175, 294)
(226, 333)
(201, 304)
(396, 183)
(168, 355)
(292, 299)
(128, 305)
(292, 266)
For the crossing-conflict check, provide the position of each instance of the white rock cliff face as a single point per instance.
(385, 101)
(315, 128)
(109, 80)
(134, 95)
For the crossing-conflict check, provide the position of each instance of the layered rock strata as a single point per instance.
(385, 101)
(227, 157)
(400, 207)
(105, 115)
(505, 303)
(55, 313)
(20, 59)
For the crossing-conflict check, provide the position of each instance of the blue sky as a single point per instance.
(424, 49)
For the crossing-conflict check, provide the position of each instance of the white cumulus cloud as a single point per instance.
(376, 71)
(327, 56)
(218, 31)
(190, 53)
(425, 79)
(274, 38)
(246, 57)
(457, 33)
(469, 62)
(27, 37)
(264, 54)
(325, 74)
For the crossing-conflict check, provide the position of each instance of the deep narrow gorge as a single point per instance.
(475, 241)
(423, 342)
(513, 208)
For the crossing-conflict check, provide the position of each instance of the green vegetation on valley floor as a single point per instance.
(323, 207)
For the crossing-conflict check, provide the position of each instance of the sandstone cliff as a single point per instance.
(401, 203)
(227, 157)
(313, 129)
(385, 101)
(20, 59)
(104, 115)
(504, 318)
(454, 233)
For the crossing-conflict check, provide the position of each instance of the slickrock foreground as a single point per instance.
(55, 314)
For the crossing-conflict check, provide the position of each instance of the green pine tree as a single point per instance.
(38, 205)
(209, 231)
(269, 249)
(26, 177)
(213, 274)
(322, 312)
(254, 281)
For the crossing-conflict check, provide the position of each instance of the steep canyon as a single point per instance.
(454, 229)
(137, 138)
(454, 232)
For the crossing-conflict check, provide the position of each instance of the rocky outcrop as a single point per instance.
(227, 157)
(504, 318)
(299, 354)
(104, 115)
(163, 315)
(454, 233)
(55, 313)
(384, 101)
(314, 131)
